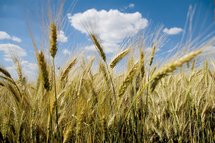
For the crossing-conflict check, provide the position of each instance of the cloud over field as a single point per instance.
(172, 31)
(6, 36)
(10, 49)
(111, 26)
(61, 37)
(131, 5)
(29, 69)
(66, 52)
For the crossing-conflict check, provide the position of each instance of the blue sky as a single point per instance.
(115, 19)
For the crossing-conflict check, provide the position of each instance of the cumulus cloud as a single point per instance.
(131, 5)
(110, 26)
(10, 50)
(25, 65)
(172, 31)
(61, 37)
(29, 65)
(66, 52)
(6, 36)
(109, 47)
(28, 68)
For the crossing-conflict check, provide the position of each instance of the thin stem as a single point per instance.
(111, 80)
(112, 86)
(56, 103)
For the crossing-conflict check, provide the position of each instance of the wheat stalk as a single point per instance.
(53, 51)
(102, 54)
(103, 70)
(161, 73)
(193, 65)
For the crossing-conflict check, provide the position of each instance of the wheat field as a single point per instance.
(146, 103)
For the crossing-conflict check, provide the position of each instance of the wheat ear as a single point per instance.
(103, 70)
(53, 40)
(142, 65)
(67, 70)
(43, 70)
(18, 68)
(152, 55)
(128, 80)
(118, 58)
(98, 46)
(5, 72)
(171, 67)
(161, 73)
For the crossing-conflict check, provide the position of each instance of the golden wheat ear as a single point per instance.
(152, 54)
(142, 63)
(67, 69)
(172, 67)
(1, 83)
(98, 46)
(18, 68)
(5, 72)
(53, 40)
(44, 75)
(103, 70)
(119, 57)
(128, 80)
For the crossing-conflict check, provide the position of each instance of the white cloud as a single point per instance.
(90, 48)
(6, 36)
(16, 39)
(110, 26)
(61, 37)
(26, 65)
(131, 5)
(108, 47)
(10, 50)
(172, 31)
(29, 65)
(66, 52)
(29, 69)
